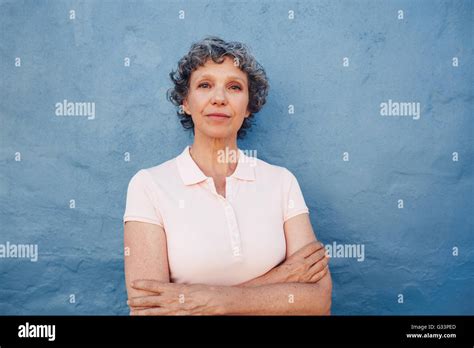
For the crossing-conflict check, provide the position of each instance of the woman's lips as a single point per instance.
(218, 116)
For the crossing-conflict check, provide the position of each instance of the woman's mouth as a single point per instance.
(218, 116)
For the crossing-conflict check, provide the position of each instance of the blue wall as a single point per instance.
(407, 251)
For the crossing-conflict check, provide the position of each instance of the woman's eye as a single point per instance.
(206, 85)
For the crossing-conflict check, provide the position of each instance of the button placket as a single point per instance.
(233, 230)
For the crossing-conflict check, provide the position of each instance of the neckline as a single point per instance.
(239, 154)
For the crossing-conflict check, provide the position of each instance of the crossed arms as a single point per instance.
(300, 285)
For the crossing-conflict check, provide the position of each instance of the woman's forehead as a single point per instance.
(212, 69)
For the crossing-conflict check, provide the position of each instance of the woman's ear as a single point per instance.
(185, 107)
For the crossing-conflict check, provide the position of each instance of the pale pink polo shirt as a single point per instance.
(211, 239)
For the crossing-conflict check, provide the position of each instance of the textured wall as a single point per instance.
(422, 251)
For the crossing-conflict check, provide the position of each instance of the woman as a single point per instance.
(211, 233)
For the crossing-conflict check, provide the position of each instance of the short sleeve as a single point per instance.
(293, 201)
(141, 202)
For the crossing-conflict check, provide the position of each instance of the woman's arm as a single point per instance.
(199, 299)
(290, 298)
(297, 297)
(146, 255)
(306, 265)
(300, 245)
(279, 299)
(146, 258)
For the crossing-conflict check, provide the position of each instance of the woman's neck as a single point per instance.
(216, 157)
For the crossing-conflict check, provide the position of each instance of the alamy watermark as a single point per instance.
(26, 251)
(392, 108)
(336, 250)
(231, 156)
(67, 108)
(37, 331)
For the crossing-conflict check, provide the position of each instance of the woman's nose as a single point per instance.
(219, 95)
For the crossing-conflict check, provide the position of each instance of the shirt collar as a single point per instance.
(191, 174)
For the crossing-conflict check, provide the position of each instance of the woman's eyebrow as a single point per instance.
(207, 76)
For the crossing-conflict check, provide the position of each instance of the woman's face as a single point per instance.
(218, 88)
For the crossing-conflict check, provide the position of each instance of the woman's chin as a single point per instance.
(215, 132)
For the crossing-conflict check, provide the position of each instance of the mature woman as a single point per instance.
(211, 233)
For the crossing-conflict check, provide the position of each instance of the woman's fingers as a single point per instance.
(152, 285)
(315, 257)
(307, 250)
(149, 285)
(314, 247)
(162, 295)
(318, 276)
(155, 311)
(146, 301)
(154, 305)
(318, 267)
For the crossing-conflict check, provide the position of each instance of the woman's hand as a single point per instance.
(177, 299)
(308, 265)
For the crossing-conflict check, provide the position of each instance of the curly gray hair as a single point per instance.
(213, 47)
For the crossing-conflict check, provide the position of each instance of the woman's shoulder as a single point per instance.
(158, 173)
(269, 170)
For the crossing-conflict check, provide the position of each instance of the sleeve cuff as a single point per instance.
(294, 213)
(142, 219)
